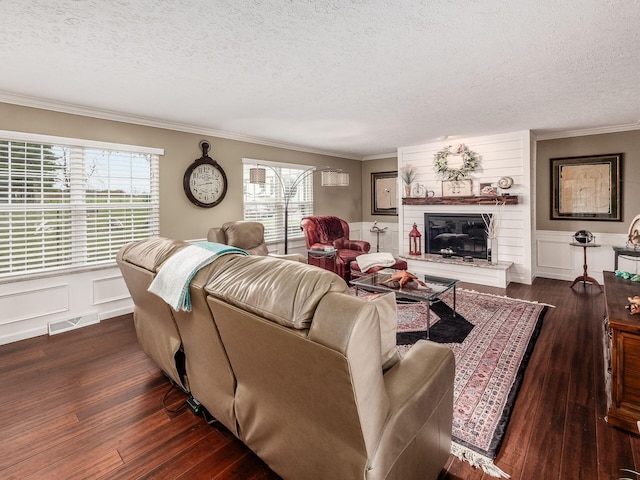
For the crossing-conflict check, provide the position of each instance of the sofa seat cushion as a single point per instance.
(279, 290)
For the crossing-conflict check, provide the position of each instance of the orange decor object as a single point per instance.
(414, 241)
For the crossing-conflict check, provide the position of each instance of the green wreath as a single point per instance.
(470, 161)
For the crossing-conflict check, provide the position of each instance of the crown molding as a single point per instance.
(73, 109)
(587, 131)
(380, 156)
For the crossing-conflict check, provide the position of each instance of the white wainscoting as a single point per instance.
(29, 306)
(558, 259)
(388, 239)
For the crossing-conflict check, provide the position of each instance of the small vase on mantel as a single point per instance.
(407, 190)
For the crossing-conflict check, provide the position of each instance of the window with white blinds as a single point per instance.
(265, 203)
(64, 206)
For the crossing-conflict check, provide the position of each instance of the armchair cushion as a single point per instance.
(329, 228)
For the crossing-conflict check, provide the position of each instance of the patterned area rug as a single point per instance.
(491, 358)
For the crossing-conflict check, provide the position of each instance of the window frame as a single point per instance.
(301, 204)
(93, 229)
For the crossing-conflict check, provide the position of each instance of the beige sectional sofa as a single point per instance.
(305, 374)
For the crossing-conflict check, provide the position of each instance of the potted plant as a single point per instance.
(408, 175)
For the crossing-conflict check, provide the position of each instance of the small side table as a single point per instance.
(626, 252)
(323, 258)
(585, 278)
(377, 230)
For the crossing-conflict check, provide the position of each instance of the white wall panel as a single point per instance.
(388, 239)
(27, 307)
(18, 305)
(109, 289)
(501, 155)
(558, 259)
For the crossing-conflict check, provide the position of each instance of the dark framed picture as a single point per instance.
(586, 188)
(384, 193)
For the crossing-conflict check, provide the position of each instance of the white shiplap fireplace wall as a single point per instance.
(509, 154)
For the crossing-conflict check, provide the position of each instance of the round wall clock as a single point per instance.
(205, 182)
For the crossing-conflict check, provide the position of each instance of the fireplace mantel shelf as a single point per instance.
(466, 200)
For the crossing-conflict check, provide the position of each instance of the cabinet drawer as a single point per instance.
(629, 372)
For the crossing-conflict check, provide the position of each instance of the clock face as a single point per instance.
(205, 183)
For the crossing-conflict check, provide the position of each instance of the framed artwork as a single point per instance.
(488, 189)
(586, 188)
(457, 188)
(384, 193)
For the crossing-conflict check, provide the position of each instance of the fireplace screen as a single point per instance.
(465, 234)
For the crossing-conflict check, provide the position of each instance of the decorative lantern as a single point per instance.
(414, 241)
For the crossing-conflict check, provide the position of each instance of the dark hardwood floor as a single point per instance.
(88, 404)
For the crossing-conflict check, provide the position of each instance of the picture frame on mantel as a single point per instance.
(586, 188)
(384, 193)
(457, 188)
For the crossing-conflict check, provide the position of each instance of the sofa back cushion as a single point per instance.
(150, 253)
(281, 291)
(246, 235)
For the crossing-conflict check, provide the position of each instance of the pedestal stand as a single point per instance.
(377, 230)
(585, 278)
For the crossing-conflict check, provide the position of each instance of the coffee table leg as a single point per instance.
(428, 318)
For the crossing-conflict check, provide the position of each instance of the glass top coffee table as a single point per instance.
(432, 293)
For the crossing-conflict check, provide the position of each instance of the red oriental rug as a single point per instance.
(491, 356)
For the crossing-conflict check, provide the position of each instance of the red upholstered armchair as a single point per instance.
(326, 232)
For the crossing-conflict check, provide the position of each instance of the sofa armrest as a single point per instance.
(420, 392)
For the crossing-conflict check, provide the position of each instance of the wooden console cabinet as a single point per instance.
(622, 354)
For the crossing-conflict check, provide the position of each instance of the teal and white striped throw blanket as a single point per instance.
(174, 277)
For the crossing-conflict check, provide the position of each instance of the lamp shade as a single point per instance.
(257, 175)
(329, 178)
(343, 179)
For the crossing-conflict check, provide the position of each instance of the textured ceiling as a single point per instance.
(359, 77)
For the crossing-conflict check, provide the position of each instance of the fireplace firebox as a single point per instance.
(463, 234)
